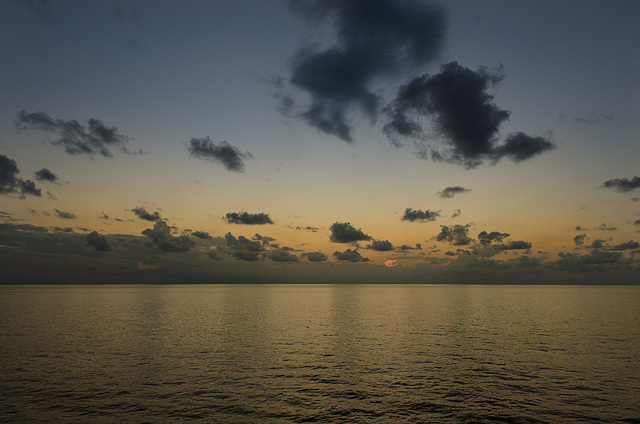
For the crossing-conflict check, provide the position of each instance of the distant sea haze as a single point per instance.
(320, 353)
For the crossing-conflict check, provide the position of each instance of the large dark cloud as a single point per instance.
(97, 241)
(142, 213)
(350, 256)
(228, 155)
(161, 236)
(630, 245)
(413, 215)
(315, 256)
(457, 235)
(451, 191)
(45, 174)
(344, 232)
(623, 185)
(375, 38)
(463, 114)
(11, 183)
(246, 218)
(76, 139)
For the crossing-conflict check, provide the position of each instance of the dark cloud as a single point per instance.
(463, 114)
(375, 38)
(161, 237)
(519, 146)
(513, 245)
(97, 241)
(201, 235)
(264, 239)
(350, 256)
(244, 249)
(229, 156)
(488, 238)
(46, 175)
(456, 213)
(596, 260)
(419, 215)
(308, 228)
(630, 245)
(11, 183)
(76, 139)
(579, 239)
(281, 255)
(605, 227)
(418, 246)
(457, 235)
(246, 218)
(315, 256)
(64, 215)
(596, 244)
(142, 213)
(380, 245)
(623, 185)
(214, 255)
(451, 191)
(636, 222)
(344, 232)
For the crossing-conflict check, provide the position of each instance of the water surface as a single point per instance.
(320, 353)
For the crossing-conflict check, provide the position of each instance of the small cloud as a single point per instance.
(605, 227)
(579, 239)
(344, 232)
(457, 235)
(350, 256)
(456, 213)
(64, 215)
(380, 246)
(143, 214)
(413, 215)
(95, 138)
(229, 156)
(488, 238)
(245, 218)
(201, 235)
(622, 185)
(45, 174)
(315, 256)
(11, 183)
(451, 191)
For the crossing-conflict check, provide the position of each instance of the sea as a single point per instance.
(319, 354)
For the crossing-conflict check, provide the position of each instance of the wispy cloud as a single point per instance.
(449, 192)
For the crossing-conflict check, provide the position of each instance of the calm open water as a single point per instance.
(320, 353)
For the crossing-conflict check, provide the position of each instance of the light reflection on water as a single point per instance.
(320, 353)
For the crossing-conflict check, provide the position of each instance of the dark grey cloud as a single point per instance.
(228, 155)
(45, 174)
(488, 238)
(457, 235)
(344, 232)
(456, 213)
(142, 213)
(350, 256)
(463, 114)
(375, 38)
(380, 245)
(308, 228)
(636, 222)
(513, 245)
(413, 215)
(266, 240)
(451, 191)
(245, 218)
(281, 255)
(630, 245)
(161, 237)
(76, 139)
(606, 227)
(97, 241)
(244, 249)
(201, 235)
(11, 183)
(64, 215)
(623, 185)
(596, 260)
(214, 255)
(418, 246)
(315, 256)
(597, 244)
(519, 146)
(579, 239)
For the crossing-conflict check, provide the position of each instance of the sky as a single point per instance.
(319, 141)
